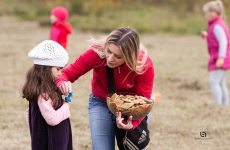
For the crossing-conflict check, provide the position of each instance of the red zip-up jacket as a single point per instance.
(59, 32)
(125, 80)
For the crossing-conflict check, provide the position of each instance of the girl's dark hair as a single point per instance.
(40, 81)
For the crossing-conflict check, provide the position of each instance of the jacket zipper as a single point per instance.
(119, 69)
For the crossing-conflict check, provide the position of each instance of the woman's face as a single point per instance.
(114, 55)
(209, 15)
(56, 72)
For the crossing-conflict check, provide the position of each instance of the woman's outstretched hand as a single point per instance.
(65, 88)
(121, 124)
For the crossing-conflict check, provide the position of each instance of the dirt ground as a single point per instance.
(185, 110)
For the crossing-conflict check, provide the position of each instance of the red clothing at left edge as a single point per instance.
(125, 80)
(59, 32)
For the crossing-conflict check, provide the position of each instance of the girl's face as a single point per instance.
(56, 72)
(209, 15)
(53, 19)
(114, 55)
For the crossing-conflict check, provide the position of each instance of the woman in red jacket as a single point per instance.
(133, 72)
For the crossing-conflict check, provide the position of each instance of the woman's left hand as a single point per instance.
(121, 124)
(219, 62)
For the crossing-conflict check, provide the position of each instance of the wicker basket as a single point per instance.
(129, 104)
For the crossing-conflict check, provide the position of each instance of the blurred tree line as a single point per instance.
(84, 7)
(81, 6)
(147, 16)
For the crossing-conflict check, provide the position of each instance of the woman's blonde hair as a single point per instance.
(216, 6)
(128, 41)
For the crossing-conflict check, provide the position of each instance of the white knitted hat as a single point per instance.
(49, 53)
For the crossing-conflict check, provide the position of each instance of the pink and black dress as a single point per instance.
(45, 136)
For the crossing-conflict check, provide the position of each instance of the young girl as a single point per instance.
(48, 114)
(133, 72)
(218, 39)
(60, 28)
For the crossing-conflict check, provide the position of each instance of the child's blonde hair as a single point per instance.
(128, 41)
(216, 6)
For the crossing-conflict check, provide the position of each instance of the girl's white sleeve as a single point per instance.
(53, 117)
(222, 40)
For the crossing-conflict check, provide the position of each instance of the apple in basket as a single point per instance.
(129, 104)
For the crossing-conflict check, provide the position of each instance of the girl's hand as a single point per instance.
(204, 34)
(67, 104)
(121, 125)
(65, 88)
(219, 62)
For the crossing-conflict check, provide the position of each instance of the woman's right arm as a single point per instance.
(82, 65)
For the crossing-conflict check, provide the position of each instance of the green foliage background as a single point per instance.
(147, 16)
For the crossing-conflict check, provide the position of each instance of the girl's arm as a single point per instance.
(222, 40)
(53, 117)
(82, 65)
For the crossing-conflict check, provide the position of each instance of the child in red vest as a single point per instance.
(60, 28)
(218, 40)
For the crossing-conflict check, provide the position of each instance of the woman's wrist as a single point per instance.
(130, 129)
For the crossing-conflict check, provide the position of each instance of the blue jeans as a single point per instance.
(101, 124)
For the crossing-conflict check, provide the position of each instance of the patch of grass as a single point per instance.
(176, 120)
(24, 14)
